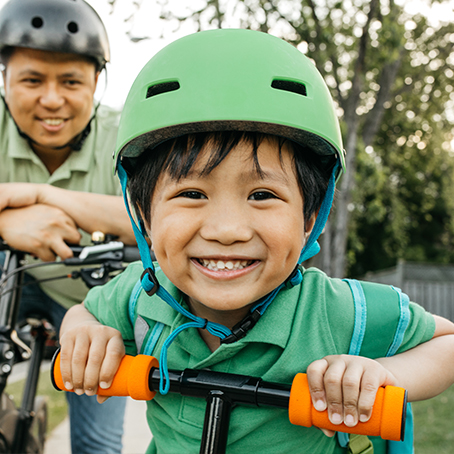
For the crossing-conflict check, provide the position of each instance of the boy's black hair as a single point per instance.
(178, 156)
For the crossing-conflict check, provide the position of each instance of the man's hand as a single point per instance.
(89, 211)
(40, 230)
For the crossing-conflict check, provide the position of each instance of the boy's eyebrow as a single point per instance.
(250, 175)
(278, 177)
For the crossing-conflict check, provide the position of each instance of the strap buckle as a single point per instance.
(152, 278)
(241, 328)
(360, 444)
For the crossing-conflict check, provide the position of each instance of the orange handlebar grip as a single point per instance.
(387, 420)
(131, 378)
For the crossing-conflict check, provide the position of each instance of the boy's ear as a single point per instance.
(309, 225)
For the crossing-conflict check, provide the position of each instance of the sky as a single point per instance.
(128, 58)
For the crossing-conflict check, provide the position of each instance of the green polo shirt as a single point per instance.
(89, 170)
(302, 324)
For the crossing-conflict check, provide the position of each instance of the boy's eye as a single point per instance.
(192, 195)
(262, 195)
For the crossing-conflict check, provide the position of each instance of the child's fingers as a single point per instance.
(315, 374)
(94, 363)
(351, 385)
(78, 363)
(66, 352)
(115, 351)
(333, 390)
(369, 386)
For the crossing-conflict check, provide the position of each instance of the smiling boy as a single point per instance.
(229, 147)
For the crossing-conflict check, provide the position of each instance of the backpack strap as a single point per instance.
(357, 444)
(141, 326)
(404, 320)
(367, 291)
(359, 329)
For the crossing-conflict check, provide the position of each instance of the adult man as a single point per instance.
(56, 183)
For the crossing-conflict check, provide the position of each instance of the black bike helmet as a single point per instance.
(69, 26)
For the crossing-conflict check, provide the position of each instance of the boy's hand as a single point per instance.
(347, 386)
(90, 355)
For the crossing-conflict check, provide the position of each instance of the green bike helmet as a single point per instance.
(229, 79)
(70, 26)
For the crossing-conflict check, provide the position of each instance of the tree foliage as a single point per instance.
(390, 74)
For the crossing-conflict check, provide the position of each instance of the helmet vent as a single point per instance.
(72, 27)
(37, 22)
(165, 87)
(287, 85)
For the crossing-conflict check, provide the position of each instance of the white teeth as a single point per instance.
(53, 121)
(219, 265)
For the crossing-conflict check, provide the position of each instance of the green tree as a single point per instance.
(413, 212)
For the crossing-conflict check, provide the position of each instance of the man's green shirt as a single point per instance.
(302, 324)
(89, 170)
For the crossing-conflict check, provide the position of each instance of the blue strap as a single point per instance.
(406, 446)
(404, 320)
(154, 336)
(309, 250)
(138, 230)
(359, 329)
(133, 300)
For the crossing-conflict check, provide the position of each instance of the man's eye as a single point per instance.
(262, 195)
(192, 195)
(31, 80)
(72, 83)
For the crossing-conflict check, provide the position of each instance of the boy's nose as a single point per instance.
(227, 225)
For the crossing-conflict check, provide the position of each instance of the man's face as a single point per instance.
(49, 94)
(229, 237)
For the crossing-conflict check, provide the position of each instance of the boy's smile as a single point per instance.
(229, 237)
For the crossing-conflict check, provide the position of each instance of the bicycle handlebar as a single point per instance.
(138, 377)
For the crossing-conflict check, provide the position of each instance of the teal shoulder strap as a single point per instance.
(141, 326)
(364, 293)
(359, 328)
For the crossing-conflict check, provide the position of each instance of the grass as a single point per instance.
(434, 424)
(56, 403)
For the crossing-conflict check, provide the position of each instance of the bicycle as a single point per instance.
(23, 429)
(139, 377)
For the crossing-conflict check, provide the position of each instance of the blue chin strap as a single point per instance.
(151, 285)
